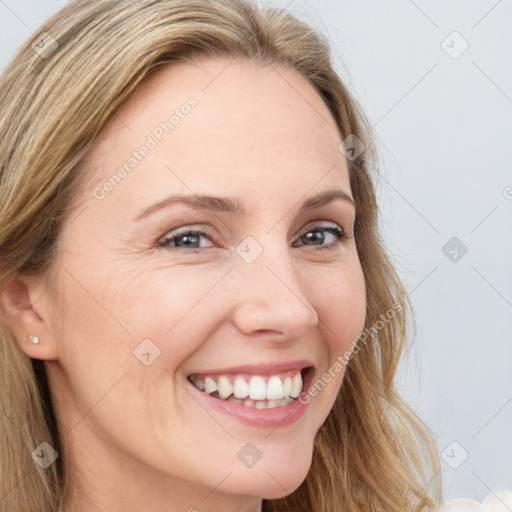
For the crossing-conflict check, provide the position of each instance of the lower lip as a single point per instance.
(276, 417)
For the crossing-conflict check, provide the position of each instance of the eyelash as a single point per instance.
(335, 230)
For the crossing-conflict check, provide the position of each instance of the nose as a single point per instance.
(270, 301)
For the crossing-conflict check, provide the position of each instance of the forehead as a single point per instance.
(218, 122)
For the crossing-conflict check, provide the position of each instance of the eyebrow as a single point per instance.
(231, 205)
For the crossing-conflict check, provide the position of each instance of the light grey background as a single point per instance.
(444, 128)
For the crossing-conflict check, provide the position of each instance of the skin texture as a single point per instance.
(134, 436)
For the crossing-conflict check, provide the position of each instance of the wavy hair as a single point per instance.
(372, 453)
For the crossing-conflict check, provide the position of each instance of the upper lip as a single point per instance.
(258, 369)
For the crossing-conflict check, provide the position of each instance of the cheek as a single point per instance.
(115, 326)
(341, 307)
(177, 308)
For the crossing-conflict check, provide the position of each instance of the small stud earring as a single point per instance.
(33, 339)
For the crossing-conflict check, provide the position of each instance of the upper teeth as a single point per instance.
(276, 387)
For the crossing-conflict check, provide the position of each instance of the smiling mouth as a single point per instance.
(256, 391)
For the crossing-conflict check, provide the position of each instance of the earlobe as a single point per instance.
(25, 312)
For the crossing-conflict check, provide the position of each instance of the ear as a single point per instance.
(25, 311)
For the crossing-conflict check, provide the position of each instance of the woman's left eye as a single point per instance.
(190, 239)
(311, 234)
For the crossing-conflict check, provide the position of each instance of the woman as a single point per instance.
(197, 309)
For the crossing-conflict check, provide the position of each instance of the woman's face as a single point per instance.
(246, 301)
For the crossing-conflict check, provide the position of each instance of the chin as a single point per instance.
(273, 480)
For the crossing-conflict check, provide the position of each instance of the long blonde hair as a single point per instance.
(372, 453)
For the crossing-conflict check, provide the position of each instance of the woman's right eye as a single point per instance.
(186, 239)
